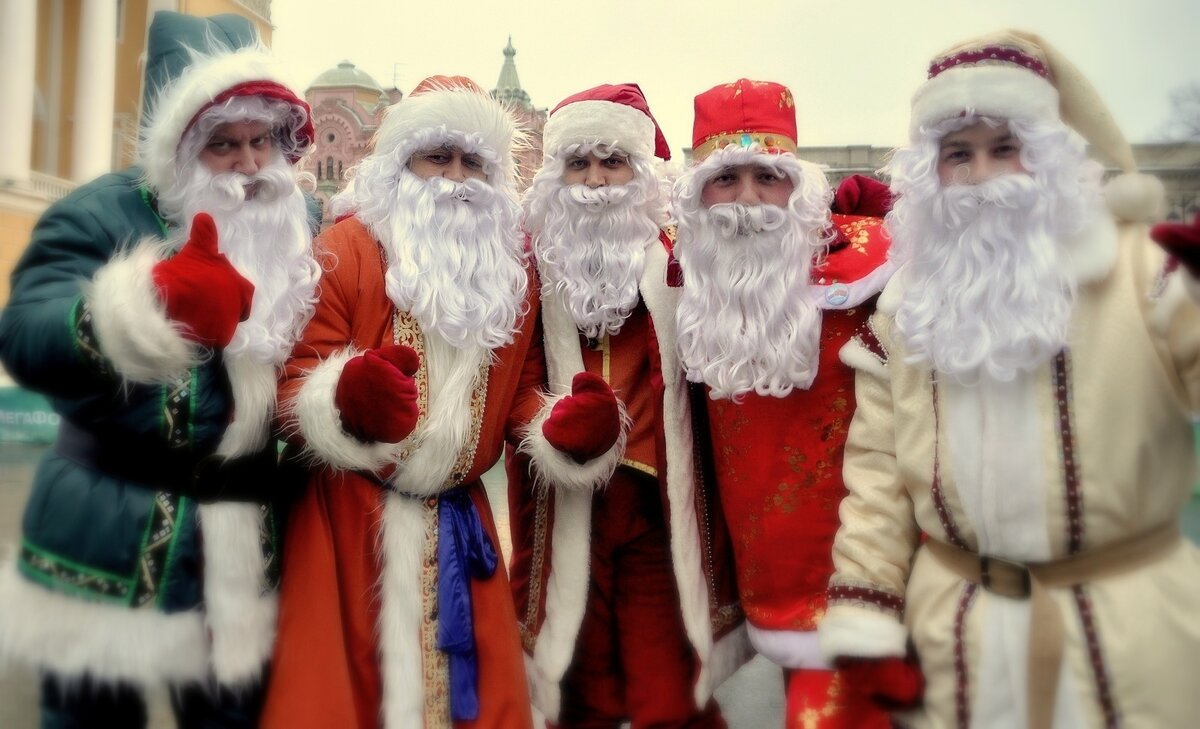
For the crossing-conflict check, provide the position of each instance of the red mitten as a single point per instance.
(893, 683)
(377, 396)
(1181, 241)
(818, 698)
(201, 289)
(587, 422)
(861, 195)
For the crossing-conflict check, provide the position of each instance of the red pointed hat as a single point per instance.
(744, 112)
(611, 114)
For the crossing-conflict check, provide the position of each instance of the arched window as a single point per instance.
(329, 168)
(339, 169)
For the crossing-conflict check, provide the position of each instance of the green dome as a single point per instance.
(345, 74)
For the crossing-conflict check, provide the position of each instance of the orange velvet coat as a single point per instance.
(332, 666)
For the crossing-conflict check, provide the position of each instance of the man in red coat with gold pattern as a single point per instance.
(772, 290)
(626, 607)
(394, 610)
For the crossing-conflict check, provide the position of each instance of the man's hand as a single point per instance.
(1181, 241)
(377, 396)
(202, 290)
(585, 423)
(892, 683)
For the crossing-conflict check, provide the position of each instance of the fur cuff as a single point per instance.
(320, 423)
(862, 633)
(856, 355)
(552, 467)
(132, 328)
(789, 648)
(72, 637)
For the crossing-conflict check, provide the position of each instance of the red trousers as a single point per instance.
(821, 700)
(632, 661)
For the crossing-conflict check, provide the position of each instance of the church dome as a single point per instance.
(343, 75)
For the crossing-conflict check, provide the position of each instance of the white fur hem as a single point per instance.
(789, 648)
(72, 637)
(552, 467)
(403, 539)
(132, 328)
(858, 632)
(320, 423)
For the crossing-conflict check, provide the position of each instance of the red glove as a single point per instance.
(201, 288)
(377, 396)
(861, 195)
(1181, 241)
(893, 683)
(587, 422)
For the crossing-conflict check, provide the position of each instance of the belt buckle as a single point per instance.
(988, 563)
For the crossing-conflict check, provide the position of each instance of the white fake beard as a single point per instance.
(745, 320)
(591, 248)
(455, 259)
(268, 240)
(985, 289)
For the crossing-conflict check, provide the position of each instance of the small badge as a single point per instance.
(837, 295)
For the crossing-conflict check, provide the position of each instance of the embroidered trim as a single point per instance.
(435, 666)
(861, 596)
(868, 337)
(269, 538)
(1061, 373)
(990, 55)
(1112, 717)
(84, 325)
(541, 511)
(64, 575)
(962, 703)
(158, 546)
(939, 499)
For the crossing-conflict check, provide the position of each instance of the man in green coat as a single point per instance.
(153, 307)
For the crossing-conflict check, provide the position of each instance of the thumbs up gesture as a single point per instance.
(201, 289)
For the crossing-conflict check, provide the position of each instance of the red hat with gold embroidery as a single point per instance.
(743, 113)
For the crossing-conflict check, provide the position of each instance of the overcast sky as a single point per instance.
(852, 65)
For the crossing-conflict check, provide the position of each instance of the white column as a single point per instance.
(18, 28)
(95, 89)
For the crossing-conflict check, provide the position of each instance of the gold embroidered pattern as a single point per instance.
(540, 510)
(406, 331)
(434, 664)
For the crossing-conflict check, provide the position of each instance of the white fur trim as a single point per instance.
(605, 122)
(443, 432)
(453, 110)
(662, 301)
(861, 633)
(566, 598)
(403, 539)
(197, 86)
(552, 467)
(320, 423)
(1091, 254)
(850, 295)
(854, 355)
(789, 648)
(1135, 198)
(239, 611)
(1004, 91)
(72, 637)
(253, 385)
(892, 294)
(130, 319)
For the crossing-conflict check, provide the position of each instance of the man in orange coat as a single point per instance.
(395, 610)
(773, 287)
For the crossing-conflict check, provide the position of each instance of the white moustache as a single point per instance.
(598, 199)
(738, 219)
(472, 191)
(958, 204)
